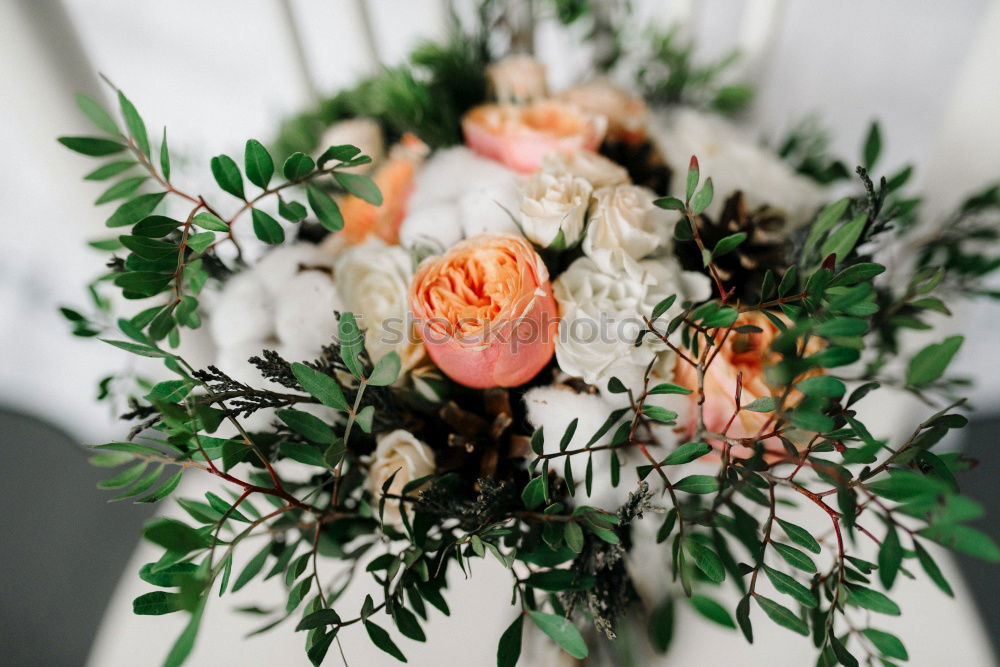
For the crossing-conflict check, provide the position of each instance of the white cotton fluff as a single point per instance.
(490, 208)
(242, 312)
(284, 264)
(434, 225)
(552, 409)
(452, 172)
(304, 312)
(735, 162)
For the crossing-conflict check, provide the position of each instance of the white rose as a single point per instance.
(517, 78)
(624, 227)
(373, 280)
(362, 132)
(397, 451)
(601, 315)
(598, 170)
(550, 204)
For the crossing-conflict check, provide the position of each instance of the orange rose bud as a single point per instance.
(485, 311)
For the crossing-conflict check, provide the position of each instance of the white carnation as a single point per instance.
(624, 227)
(598, 170)
(602, 313)
(553, 203)
(735, 162)
(401, 453)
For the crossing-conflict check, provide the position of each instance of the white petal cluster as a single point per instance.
(554, 203)
(397, 453)
(601, 314)
(624, 227)
(734, 161)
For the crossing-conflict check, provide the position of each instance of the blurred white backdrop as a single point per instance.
(218, 72)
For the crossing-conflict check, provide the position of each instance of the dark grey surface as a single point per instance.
(62, 545)
(982, 483)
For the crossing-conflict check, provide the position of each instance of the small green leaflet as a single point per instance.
(562, 631)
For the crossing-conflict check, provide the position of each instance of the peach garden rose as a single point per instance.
(520, 136)
(485, 311)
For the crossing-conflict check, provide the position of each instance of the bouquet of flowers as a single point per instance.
(485, 319)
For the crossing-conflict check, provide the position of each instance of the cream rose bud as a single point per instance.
(624, 227)
(362, 132)
(602, 313)
(517, 78)
(374, 281)
(401, 453)
(552, 203)
(596, 169)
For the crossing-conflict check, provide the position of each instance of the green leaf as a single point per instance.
(382, 640)
(794, 557)
(562, 631)
(574, 536)
(890, 557)
(743, 618)
(661, 625)
(133, 121)
(258, 164)
(267, 228)
(335, 453)
(669, 203)
(712, 610)
(292, 211)
(318, 619)
(888, 644)
(156, 603)
(866, 598)
(185, 642)
(208, 221)
(697, 484)
(303, 453)
(227, 175)
(307, 425)
(658, 414)
(686, 453)
(932, 569)
(799, 535)
(703, 198)
(386, 371)
(873, 145)
(325, 208)
(706, 560)
(365, 417)
(165, 157)
(165, 489)
(963, 538)
(786, 584)
(341, 153)
(92, 146)
(252, 568)
(360, 186)
(509, 649)
(782, 615)
(352, 343)
(567, 436)
(841, 242)
(135, 209)
(110, 169)
(93, 110)
(692, 178)
(155, 226)
(822, 386)
(762, 404)
(533, 493)
(931, 362)
(141, 350)
(297, 166)
(320, 386)
(168, 577)
(842, 326)
(124, 478)
(667, 388)
(408, 624)
(199, 242)
(174, 535)
(728, 244)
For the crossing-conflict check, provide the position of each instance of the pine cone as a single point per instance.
(478, 439)
(767, 246)
(642, 160)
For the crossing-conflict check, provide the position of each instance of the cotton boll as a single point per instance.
(283, 264)
(242, 312)
(552, 408)
(449, 174)
(490, 209)
(434, 225)
(304, 317)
